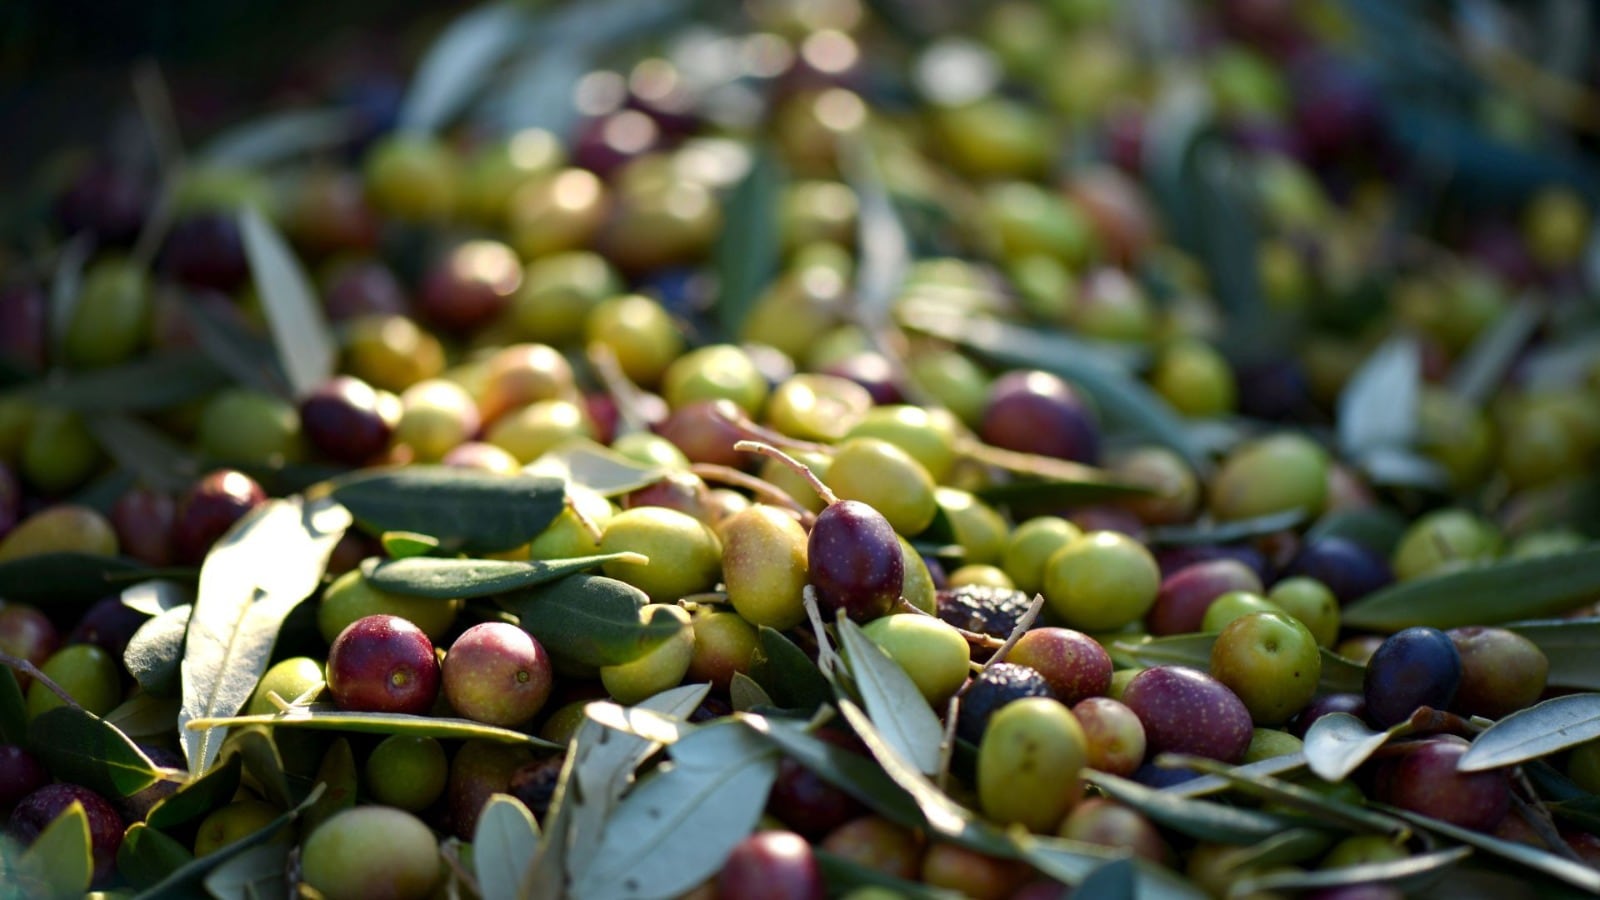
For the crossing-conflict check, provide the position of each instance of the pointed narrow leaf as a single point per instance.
(1569, 646)
(1324, 808)
(1072, 861)
(1490, 594)
(1574, 873)
(1378, 407)
(1111, 881)
(148, 384)
(237, 349)
(144, 716)
(57, 579)
(900, 712)
(444, 579)
(1338, 743)
(199, 797)
(1213, 784)
(66, 289)
(187, 880)
(846, 770)
(253, 744)
(406, 544)
(255, 874)
(502, 846)
(158, 460)
(1200, 819)
(745, 694)
(787, 674)
(13, 709)
(595, 466)
(1539, 730)
(1411, 874)
(481, 510)
(339, 779)
(79, 748)
(844, 874)
(591, 619)
(747, 250)
(60, 859)
(280, 136)
(154, 654)
(1483, 368)
(1377, 528)
(329, 718)
(265, 565)
(714, 789)
(147, 856)
(305, 345)
(458, 64)
(1225, 532)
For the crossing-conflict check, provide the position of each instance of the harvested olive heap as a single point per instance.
(819, 449)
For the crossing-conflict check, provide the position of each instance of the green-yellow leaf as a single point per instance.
(1489, 594)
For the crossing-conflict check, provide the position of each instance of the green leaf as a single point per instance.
(1199, 819)
(1338, 743)
(145, 715)
(1539, 730)
(66, 289)
(253, 744)
(1378, 406)
(156, 596)
(591, 619)
(199, 797)
(444, 579)
(406, 544)
(844, 874)
(900, 712)
(1120, 396)
(82, 749)
(851, 772)
(1074, 861)
(1225, 532)
(481, 510)
(236, 349)
(504, 841)
(747, 251)
(266, 564)
(1569, 645)
(595, 466)
(55, 580)
(136, 446)
(1112, 880)
(187, 880)
(1288, 795)
(329, 718)
(714, 789)
(1574, 873)
(340, 780)
(13, 709)
(1377, 528)
(252, 875)
(154, 654)
(1489, 594)
(746, 694)
(61, 858)
(278, 137)
(1483, 368)
(147, 856)
(459, 63)
(1212, 784)
(1410, 874)
(145, 385)
(305, 345)
(1045, 479)
(1339, 675)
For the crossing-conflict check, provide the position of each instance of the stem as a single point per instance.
(765, 490)
(827, 659)
(976, 639)
(947, 744)
(1023, 624)
(584, 521)
(799, 468)
(631, 406)
(32, 671)
(757, 432)
(1538, 818)
(452, 858)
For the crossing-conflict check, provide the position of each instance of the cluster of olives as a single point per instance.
(496, 299)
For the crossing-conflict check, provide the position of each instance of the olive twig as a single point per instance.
(628, 396)
(448, 851)
(827, 659)
(947, 743)
(584, 521)
(1538, 817)
(32, 671)
(1023, 624)
(763, 489)
(800, 468)
(758, 432)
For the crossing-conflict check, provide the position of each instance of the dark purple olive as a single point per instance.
(106, 202)
(1036, 412)
(1354, 704)
(211, 507)
(143, 519)
(1349, 569)
(108, 624)
(872, 371)
(206, 250)
(854, 561)
(40, 808)
(344, 420)
(363, 287)
(24, 310)
(1411, 668)
(21, 773)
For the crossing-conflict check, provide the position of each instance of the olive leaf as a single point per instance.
(1212, 784)
(1338, 743)
(504, 841)
(278, 137)
(186, 880)
(265, 565)
(236, 349)
(1539, 730)
(785, 672)
(300, 333)
(136, 446)
(1289, 795)
(851, 772)
(844, 874)
(1488, 594)
(715, 789)
(340, 780)
(1483, 367)
(261, 871)
(62, 581)
(144, 385)
(746, 253)
(80, 748)
(330, 718)
(1112, 880)
(199, 797)
(746, 694)
(1410, 874)
(595, 466)
(459, 63)
(1225, 532)
(406, 544)
(145, 715)
(1378, 528)
(444, 579)
(66, 289)
(592, 619)
(1568, 645)
(154, 654)
(1378, 406)
(1199, 819)
(1574, 873)
(262, 763)
(156, 596)
(147, 856)
(59, 863)
(480, 510)
(897, 708)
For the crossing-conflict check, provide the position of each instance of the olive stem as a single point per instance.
(586, 523)
(947, 744)
(827, 659)
(1538, 818)
(616, 383)
(754, 431)
(1023, 624)
(800, 468)
(32, 671)
(766, 490)
(448, 851)
(976, 639)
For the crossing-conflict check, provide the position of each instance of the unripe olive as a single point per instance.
(764, 566)
(59, 453)
(413, 177)
(406, 771)
(391, 352)
(288, 679)
(886, 478)
(717, 372)
(685, 556)
(1030, 545)
(640, 332)
(979, 527)
(1443, 541)
(240, 425)
(86, 672)
(371, 851)
(661, 668)
(566, 536)
(558, 212)
(237, 820)
(63, 528)
(929, 649)
(351, 597)
(1277, 473)
(529, 432)
(1195, 379)
(558, 293)
(112, 318)
(1028, 763)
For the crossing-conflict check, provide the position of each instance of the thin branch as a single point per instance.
(583, 518)
(764, 490)
(32, 671)
(827, 659)
(1023, 624)
(800, 468)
